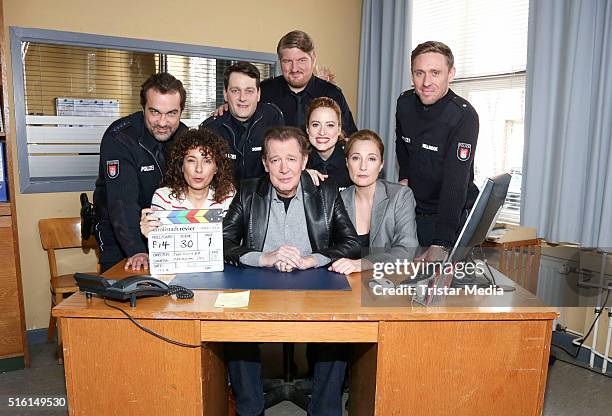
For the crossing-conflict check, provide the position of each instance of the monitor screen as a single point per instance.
(482, 217)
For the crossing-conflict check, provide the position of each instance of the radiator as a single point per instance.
(566, 282)
(557, 282)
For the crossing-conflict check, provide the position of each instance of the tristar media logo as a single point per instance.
(112, 168)
(464, 151)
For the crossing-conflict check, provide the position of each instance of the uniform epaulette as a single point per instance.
(325, 83)
(122, 124)
(407, 93)
(277, 108)
(461, 102)
(208, 121)
(335, 86)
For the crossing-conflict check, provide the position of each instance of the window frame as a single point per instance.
(57, 37)
(507, 214)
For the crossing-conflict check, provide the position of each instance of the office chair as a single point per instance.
(59, 234)
(288, 389)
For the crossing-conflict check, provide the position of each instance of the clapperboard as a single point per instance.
(188, 241)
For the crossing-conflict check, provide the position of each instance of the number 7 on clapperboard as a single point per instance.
(187, 241)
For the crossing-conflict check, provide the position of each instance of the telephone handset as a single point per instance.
(128, 288)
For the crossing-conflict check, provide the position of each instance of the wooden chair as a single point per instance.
(520, 261)
(58, 234)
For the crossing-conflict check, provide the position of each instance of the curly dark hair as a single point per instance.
(214, 146)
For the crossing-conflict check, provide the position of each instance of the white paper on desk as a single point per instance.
(233, 300)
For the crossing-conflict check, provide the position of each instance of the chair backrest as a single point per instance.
(61, 233)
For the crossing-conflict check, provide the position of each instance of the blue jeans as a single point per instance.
(244, 365)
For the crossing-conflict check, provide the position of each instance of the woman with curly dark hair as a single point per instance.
(198, 176)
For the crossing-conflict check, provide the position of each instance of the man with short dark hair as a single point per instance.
(244, 125)
(436, 134)
(132, 155)
(293, 91)
(282, 220)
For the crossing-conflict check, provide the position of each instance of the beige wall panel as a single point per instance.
(34, 263)
(257, 26)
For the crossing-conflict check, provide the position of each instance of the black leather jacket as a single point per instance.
(330, 230)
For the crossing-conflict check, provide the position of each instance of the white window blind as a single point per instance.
(71, 94)
(489, 42)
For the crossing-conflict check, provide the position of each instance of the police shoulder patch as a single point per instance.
(464, 151)
(112, 169)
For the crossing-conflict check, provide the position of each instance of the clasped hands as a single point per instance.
(286, 259)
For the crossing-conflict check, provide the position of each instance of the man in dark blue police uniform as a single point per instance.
(132, 155)
(436, 134)
(293, 91)
(244, 125)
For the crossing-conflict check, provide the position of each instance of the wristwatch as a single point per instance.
(446, 250)
(441, 247)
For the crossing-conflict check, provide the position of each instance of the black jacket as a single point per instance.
(330, 230)
(276, 90)
(335, 166)
(128, 176)
(246, 153)
(435, 148)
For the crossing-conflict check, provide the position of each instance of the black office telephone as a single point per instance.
(128, 288)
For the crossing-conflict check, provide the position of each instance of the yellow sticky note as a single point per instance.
(233, 300)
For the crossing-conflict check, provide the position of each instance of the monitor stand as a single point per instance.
(481, 280)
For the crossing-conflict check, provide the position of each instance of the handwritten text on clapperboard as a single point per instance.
(188, 241)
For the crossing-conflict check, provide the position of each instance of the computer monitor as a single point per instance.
(482, 217)
(479, 223)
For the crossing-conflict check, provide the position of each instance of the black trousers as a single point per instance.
(244, 366)
(426, 224)
(110, 252)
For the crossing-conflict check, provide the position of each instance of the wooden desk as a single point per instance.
(467, 357)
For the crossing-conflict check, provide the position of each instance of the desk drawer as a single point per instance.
(281, 331)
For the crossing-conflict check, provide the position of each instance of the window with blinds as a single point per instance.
(72, 93)
(489, 42)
